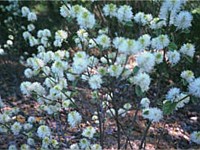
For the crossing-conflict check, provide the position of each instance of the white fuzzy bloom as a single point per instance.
(143, 81)
(160, 42)
(110, 10)
(4, 118)
(80, 62)
(57, 43)
(115, 70)
(43, 131)
(33, 41)
(41, 48)
(31, 119)
(76, 10)
(182, 99)
(172, 94)
(188, 75)
(61, 35)
(156, 23)
(103, 40)
(74, 147)
(12, 147)
(46, 33)
(95, 147)
(183, 20)
(28, 73)
(89, 132)
(122, 112)
(31, 27)
(124, 13)
(145, 102)
(127, 106)
(24, 87)
(158, 57)
(27, 126)
(86, 20)
(146, 61)
(153, 114)
(117, 41)
(142, 18)
(74, 118)
(188, 49)
(64, 11)
(173, 57)
(194, 87)
(84, 143)
(32, 16)
(16, 128)
(144, 41)
(26, 35)
(25, 11)
(95, 82)
(195, 137)
(128, 46)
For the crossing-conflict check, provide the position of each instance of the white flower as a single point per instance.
(74, 118)
(25, 11)
(32, 16)
(12, 147)
(187, 75)
(96, 147)
(31, 27)
(183, 20)
(80, 62)
(25, 88)
(64, 11)
(4, 118)
(142, 18)
(128, 46)
(26, 35)
(28, 73)
(153, 114)
(89, 132)
(160, 42)
(103, 40)
(115, 70)
(144, 41)
(182, 99)
(145, 102)
(27, 126)
(156, 23)
(31, 119)
(122, 112)
(194, 87)
(146, 61)
(46, 33)
(158, 57)
(117, 41)
(84, 143)
(61, 35)
(195, 137)
(110, 10)
(172, 94)
(173, 57)
(16, 128)
(95, 82)
(142, 80)
(74, 147)
(86, 20)
(31, 141)
(124, 13)
(188, 49)
(43, 131)
(127, 106)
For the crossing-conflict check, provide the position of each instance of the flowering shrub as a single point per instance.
(119, 67)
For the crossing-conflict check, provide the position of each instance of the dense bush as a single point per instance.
(91, 63)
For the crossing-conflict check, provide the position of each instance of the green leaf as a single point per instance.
(138, 91)
(172, 46)
(168, 107)
(189, 59)
(135, 70)
(129, 24)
